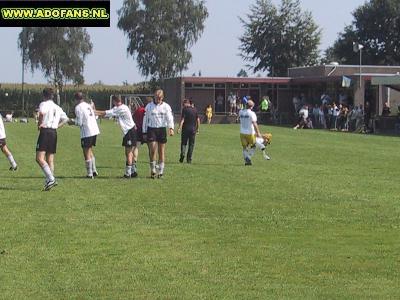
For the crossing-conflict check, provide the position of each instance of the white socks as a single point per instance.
(153, 167)
(89, 168)
(94, 164)
(12, 161)
(245, 154)
(161, 167)
(251, 152)
(128, 170)
(47, 172)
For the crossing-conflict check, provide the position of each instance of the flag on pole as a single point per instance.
(357, 47)
(346, 81)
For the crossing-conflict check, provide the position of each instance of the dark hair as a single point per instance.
(116, 98)
(78, 96)
(48, 93)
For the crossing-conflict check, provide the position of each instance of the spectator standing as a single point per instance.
(367, 115)
(386, 109)
(321, 116)
(219, 103)
(232, 104)
(209, 113)
(315, 115)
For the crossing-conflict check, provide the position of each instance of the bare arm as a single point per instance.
(100, 113)
(40, 120)
(256, 129)
(198, 125)
(181, 124)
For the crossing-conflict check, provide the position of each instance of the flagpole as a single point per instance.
(360, 64)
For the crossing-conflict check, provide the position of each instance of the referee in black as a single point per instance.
(190, 123)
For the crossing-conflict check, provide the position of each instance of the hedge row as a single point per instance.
(11, 96)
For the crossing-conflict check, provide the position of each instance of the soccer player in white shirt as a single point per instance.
(86, 120)
(248, 131)
(4, 148)
(125, 120)
(158, 117)
(51, 117)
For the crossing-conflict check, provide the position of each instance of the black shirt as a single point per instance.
(189, 115)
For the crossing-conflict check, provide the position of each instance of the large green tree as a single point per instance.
(376, 26)
(277, 38)
(59, 52)
(161, 32)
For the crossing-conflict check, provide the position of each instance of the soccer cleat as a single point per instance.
(134, 175)
(181, 158)
(153, 175)
(95, 174)
(247, 162)
(160, 176)
(13, 168)
(267, 157)
(189, 161)
(90, 177)
(127, 176)
(49, 185)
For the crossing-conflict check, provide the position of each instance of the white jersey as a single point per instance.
(86, 120)
(52, 114)
(247, 118)
(2, 130)
(124, 116)
(158, 116)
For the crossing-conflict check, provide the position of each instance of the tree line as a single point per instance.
(161, 32)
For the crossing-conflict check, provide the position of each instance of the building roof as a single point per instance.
(389, 81)
(250, 80)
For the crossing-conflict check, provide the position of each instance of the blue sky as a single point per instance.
(215, 54)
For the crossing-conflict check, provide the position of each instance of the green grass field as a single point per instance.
(321, 220)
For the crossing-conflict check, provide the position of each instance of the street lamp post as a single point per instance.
(358, 48)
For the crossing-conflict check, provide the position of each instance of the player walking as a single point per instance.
(85, 118)
(248, 131)
(4, 148)
(51, 117)
(158, 117)
(190, 123)
(124, 117)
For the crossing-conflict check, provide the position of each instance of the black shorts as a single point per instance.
(130, 138)
(2, 143)
(47, 140)
(89, 141)
(158, 135)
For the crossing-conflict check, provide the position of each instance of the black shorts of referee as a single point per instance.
(89, 141)
(130, 138)
(158, 135)
(47, 140)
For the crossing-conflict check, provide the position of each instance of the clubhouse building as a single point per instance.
(375, 84)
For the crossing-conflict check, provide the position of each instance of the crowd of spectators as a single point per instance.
(332, 115)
